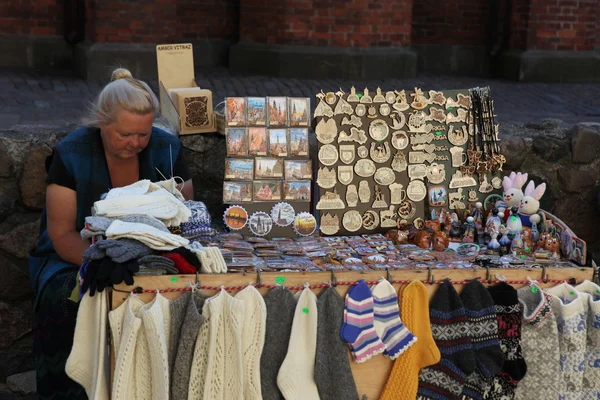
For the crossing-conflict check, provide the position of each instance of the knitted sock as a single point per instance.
(388, 324)
(510, 315)
(181, 263)
(569, 306)
(403, 381)
(253, 340)
(358, 329)
(296, 377)
(451, 333)
(333, 375)
(539, 342)
(483, 325)
(280, 305)
(591, 372)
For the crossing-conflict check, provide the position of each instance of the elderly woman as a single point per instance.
(118, 147)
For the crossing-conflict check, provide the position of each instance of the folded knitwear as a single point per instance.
(146, 187)
(159, 262)
(96, 226)
(148, 235)
(182, 265)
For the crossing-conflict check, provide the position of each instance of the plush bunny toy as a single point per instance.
(513, 194)
(530, 203)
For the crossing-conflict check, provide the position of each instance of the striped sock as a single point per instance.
(388, 324)
(358, 329)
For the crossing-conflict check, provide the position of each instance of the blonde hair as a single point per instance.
(123, 93)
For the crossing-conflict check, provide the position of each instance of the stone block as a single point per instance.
(576, 181)
(580, 214)
(33, 180)
(585, 142)
(6, 164)
(18, 233)
(512, 148)
(550, 148)
(14, 323)
(22, 383)
(14, 284)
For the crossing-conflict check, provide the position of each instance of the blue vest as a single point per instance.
(82, 153)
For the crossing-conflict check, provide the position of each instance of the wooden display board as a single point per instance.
(371, 376)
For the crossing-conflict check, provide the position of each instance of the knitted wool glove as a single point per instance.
(127, 249)
(160, 262)
(450, 328)
(94, 252)
(123, 272)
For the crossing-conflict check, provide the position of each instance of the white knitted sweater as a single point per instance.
(539, 343)
(568, 306)
(591, 370)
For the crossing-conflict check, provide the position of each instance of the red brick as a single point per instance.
(567, 33)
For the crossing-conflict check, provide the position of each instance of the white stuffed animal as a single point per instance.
(530, 203)
(512, 188)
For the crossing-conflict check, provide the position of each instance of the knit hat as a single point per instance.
(510, 314)
(186, 321)
(450, 328)
(483, 325)
(569, 306)
(333, 375)
(404, 379)
(591, 372)
(296, 377)
(396, 337)
(85, 364)
(182, 265)
(280, 304)
(539, 343)
(253, 340)
(225, 369)
(358, 329)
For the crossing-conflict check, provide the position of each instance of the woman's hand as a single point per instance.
(61, 210)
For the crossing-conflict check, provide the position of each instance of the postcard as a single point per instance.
(277, 114)
(299, 110)
(268, 168)
(278, 143)
(298, 169)
(235, 111)
(237, 144)
(257, 141)
(239, 169)
(237, 192)
(298, 142)
(297, 191)
(267, 190)
(257, 111)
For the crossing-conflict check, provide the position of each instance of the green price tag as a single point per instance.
(597, 291)
(280, 280)
(438, 133)
(523, 257)
(450, 108)
(359, 95)
(174, 279)
(534, 289)
(572, 293)
(305, 310)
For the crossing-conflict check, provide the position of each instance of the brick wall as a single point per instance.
(450, 22)
(519, 22)
(31, 17)
(202, 19)
(563, 25)
(346, 23)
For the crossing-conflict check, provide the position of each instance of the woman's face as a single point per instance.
(128, 135)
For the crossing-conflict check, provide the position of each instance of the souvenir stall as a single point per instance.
(411, 267)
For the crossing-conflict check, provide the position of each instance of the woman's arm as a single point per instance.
(187, 189)
(61, 208)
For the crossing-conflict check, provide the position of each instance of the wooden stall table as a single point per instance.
(371, 376)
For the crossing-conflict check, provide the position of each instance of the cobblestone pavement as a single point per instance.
(31, 97)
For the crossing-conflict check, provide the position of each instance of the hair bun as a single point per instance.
(120, 73)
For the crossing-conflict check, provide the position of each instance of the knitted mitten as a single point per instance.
(280, 305)
(404, 379)
(510, 314)
(388, 324)
(539, 342)
(296, 377)
(253, 340)
(451, 332)
(333, 375)
(483, 325)
(591, 372)
(569, 306)
(358, 329)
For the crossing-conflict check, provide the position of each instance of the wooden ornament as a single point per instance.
(352, 221)
(370, 220)
(353, 120)
(326, 178)
(330, 224)
(416, 190)
(326, 131)
(347, 153)
(437, 98)
(323, 110)
(379, 198)
(366, 98)
(378, 96)
(352, 196)
(345, 174)
(356, 135)
(380, 152)
(365, 168)
(328, 154)
(378, 130)
(399, 162)
(330, 201)
(352, 97)
(364, 192)
(419, 101)
(401, 103)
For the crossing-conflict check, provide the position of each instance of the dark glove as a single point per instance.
(124, 272)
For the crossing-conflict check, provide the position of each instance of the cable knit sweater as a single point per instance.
(539, 342)
(591, 370)
(224, 372)
(568, 305)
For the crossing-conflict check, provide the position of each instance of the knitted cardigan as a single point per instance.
(569, 307)
(591, 371)
(539, 342)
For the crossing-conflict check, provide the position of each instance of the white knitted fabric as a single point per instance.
(568, 306)
(87, 362)
(156, 319)
(540, 346)
(199, 363)
(591, 370)
(253, 340)
(224, 373)
(135, 189)
(125, 326)
(148, 235)
(296, 377)
(211, 259)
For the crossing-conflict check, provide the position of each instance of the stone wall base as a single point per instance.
(38, 52)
